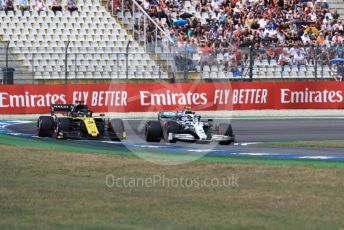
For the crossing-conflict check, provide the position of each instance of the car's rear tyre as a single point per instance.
(62, 125)
(170, 127)
(45, 126)
(225, 129)
(153, 131)
(117, 127)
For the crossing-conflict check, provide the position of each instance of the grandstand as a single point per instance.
(301, 22)
(337, 5)
(99, 45)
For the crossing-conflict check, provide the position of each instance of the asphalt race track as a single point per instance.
(247, 131)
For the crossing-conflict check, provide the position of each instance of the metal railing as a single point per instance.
(9, 65)
(252, 63)
(148, 32)
(30, 64)
(189, 62)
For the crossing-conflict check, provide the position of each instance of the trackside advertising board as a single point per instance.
(31, 99)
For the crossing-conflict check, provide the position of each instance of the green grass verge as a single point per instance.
(48, 188)
(69, 146)
(305, 144)
(78, 147)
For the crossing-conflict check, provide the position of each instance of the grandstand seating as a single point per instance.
(97, 44)
(262, 69)
(338, 5)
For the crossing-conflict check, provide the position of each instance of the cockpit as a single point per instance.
(81, 110)
(189, 118)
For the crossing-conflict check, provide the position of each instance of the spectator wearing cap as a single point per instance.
(71, 6)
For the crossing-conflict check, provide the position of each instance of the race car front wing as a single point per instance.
(189, 137)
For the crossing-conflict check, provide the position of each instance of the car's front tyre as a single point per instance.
(153, 131)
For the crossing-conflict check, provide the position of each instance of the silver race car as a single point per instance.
(187, 126)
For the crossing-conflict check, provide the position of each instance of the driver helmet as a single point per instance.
(189, 118)
(82, 112)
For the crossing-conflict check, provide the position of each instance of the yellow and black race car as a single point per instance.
(77, 122)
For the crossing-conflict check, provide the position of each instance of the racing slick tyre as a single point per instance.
(62, 125)
(45, 126)
(170, 127)
(117, 127)
(225, 129)
(153, 131)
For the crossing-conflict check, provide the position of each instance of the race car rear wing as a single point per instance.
(63, 108)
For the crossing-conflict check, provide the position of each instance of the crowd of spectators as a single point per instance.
(292, 32)
(39, 6)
